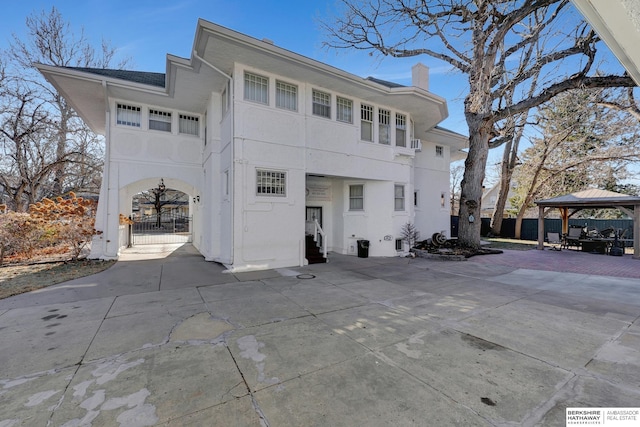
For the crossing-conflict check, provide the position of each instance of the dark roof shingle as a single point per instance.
(153, 79)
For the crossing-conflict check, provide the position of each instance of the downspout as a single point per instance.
(107, 167)
(232, 162)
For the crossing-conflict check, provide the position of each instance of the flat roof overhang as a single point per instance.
(222, 48)
(618, 25)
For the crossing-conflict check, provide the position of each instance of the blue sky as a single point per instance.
(147, 30)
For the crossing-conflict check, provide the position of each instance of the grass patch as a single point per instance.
(17, 279)
(512, 244)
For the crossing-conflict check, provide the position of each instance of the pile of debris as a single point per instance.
(440, 247)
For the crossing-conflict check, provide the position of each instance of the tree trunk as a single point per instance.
(471, 186)
(519, 218)
(61, 148)
(509, 160)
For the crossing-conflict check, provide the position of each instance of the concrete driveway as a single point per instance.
(174, 340)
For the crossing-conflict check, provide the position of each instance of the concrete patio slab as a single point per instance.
(150, 387)
(121, 334)
(253, 289)
(140, 303)
(493, 381)
(42, 338)
(376, 290)
(277, 352)
(247, 312)
(540, 331)
(239, 412)
(318, 297)
(365, 391)
(376, 326)
(168, 339)
(32, 400)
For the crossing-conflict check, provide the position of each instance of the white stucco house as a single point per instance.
(263, 141)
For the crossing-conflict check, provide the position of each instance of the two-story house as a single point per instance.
(266, 142)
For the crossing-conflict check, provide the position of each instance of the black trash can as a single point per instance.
(363, 248)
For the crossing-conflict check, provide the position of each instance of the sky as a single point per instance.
(146, 31)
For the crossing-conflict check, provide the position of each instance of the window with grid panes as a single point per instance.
(160, 120)
(401, 130)
(321, 104)
(128, 115)
(384, 126)
(439, 151)
(271, 183)
(256, 88)
(286, 96)
(344, 110)
(366, 122)
(189, 125)
(399, 197)
(356, 197)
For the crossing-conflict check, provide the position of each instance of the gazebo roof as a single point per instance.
(592, 198)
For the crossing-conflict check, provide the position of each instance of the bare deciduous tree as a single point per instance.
(582, 144)
(490, 42)
(455, 178)
(75, 162)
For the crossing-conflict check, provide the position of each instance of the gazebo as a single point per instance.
(569, 204)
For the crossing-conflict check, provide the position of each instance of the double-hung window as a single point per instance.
(344, 110)
(321, 104)
(366, 122)
(128, 115)
(256, 88)
(401, 130)
(384, 126)
(399, 197)
(160, 120)
(356, 197)
(189, 125)
(286, 96)
(271, 183)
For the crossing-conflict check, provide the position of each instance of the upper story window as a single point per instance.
(256, 88)
(189, 125)
(384, 126)
(366, 122)
(271, 183)
(160, 120)
(439, 151)
(286, 96)
(321, 104)
(128, 115)
(356, 197)
(399, 197)
(401, 130)
(344, 110)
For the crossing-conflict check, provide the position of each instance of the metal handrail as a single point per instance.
(317, 230)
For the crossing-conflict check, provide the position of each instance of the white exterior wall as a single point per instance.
(268, 231)
(134, 155)
(431, 182)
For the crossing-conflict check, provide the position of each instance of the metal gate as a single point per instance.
(157, 229)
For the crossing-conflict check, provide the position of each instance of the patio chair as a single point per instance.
(572, 238)
(554, 239)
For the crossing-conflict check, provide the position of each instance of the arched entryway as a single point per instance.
(160, 211)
